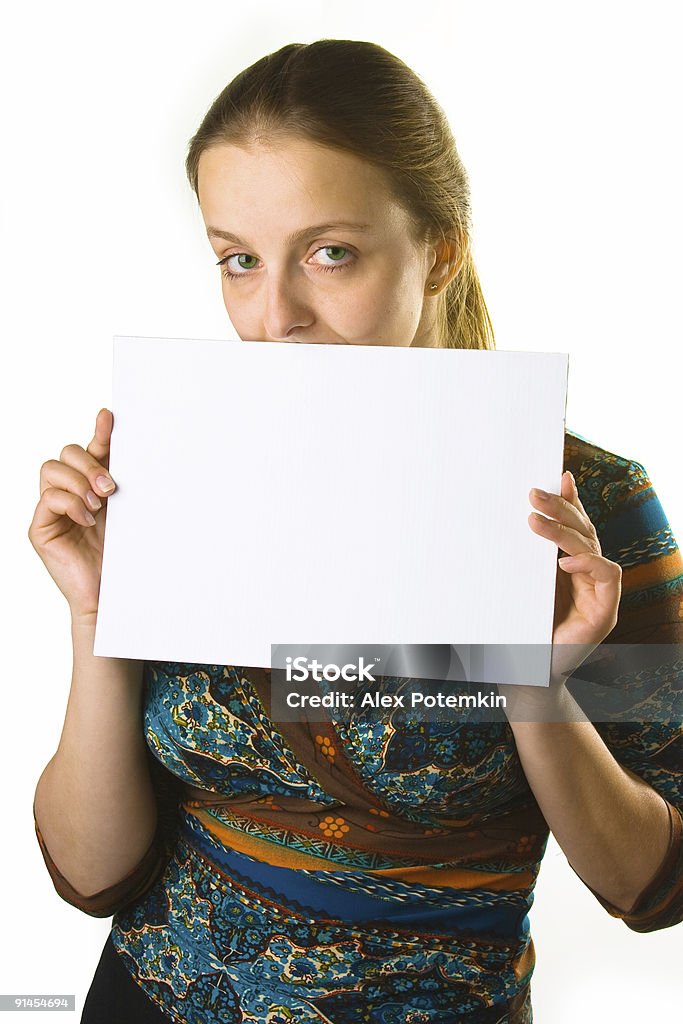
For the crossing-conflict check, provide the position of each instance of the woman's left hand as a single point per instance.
(588, 585)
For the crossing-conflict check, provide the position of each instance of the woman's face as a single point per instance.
(313, 247)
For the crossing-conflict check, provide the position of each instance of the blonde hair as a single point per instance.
(358, 97)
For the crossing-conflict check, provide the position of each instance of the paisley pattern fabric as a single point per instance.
(376, 869)
(281, 902)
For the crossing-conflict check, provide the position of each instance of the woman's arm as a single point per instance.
(614, 829)
(612, 792)
(95, 806)
(95, 809)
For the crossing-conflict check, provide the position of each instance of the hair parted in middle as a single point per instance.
(358, 97)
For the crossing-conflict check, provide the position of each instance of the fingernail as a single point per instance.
(541, 494)
(89, 519)
(105, 483)
(93, 500)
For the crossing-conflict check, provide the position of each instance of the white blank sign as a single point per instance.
(275, 493)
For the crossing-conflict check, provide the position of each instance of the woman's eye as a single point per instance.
(335, 255)
(242, 260)
(327, 258)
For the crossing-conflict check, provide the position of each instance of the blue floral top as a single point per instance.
(374, 869)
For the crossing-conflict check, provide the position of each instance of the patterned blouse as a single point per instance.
(376, 870)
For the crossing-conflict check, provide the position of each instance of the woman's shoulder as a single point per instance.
(585, 458)
(633, 529)
(612, 487)
(622, 504)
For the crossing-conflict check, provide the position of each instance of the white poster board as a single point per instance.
(273, 493)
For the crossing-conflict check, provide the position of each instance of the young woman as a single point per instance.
(357, 871)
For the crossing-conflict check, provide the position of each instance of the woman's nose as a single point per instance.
(286, 308)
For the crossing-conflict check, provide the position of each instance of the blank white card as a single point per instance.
(274, 493)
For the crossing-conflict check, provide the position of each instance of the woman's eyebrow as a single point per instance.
(314, 229)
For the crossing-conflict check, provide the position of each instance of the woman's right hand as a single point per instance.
(67, 529)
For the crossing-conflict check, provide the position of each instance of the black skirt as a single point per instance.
(114, 996)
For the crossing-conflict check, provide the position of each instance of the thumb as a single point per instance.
(99, 446)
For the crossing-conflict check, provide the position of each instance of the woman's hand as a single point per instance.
(587, 592)
(67, 529)
(588, 585)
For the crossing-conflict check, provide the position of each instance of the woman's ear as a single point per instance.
(448, 255)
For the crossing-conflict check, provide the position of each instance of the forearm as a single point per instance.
(612, 826)
(94, 802)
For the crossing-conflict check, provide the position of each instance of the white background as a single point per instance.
(566, 116)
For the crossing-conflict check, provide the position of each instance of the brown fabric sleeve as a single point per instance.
(108, 901)
(660, 904)
(647, 741)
